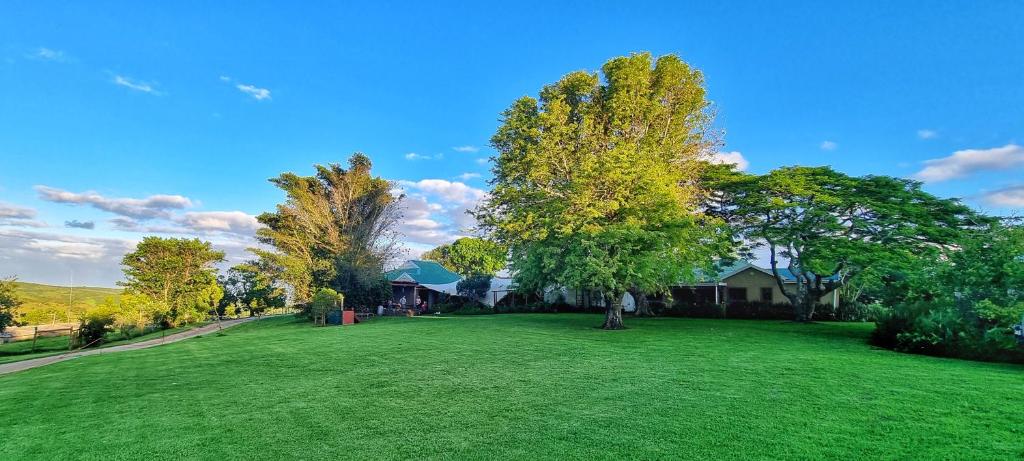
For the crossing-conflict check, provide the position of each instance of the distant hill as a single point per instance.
(46, 303)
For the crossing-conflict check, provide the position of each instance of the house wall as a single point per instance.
(753, 280)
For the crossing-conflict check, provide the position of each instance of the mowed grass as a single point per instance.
(516, 386)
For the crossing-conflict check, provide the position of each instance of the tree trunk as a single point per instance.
(804, 306)
(613, 312)
(643, 308)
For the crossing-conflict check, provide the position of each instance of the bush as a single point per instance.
(446, 308)
(966, 304)
(325, 300)
(93, 329)
(941, 329)
(531, 308)
(740, 310)
(473, 309)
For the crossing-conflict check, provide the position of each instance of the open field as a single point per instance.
(516, 386)
(44, 303)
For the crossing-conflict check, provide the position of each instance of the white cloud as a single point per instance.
(1009, 197)
(154, 206)
(16, 216)
(435, 211)
(482, 161)
(966, 162)
(52, 258)
(451, 191)
(927, 134)
(468, 176)
(415, 156)
(257, 93)
(10, 211)
(135, 85)
(225, 78)
(469, 149)
(48, 54)
(235, 222)
(732, 158)
(829, 145)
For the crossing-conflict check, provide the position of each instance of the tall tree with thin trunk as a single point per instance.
(595, 183)
(335, 229)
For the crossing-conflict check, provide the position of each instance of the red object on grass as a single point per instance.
(348, 317)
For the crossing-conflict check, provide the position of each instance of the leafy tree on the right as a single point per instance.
(826, 227)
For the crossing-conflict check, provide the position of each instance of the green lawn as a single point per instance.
(516, 386)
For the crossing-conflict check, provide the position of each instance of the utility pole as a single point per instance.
(71, 294)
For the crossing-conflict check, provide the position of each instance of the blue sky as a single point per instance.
(168, 119)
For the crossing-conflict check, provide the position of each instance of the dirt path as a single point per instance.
(34, 363)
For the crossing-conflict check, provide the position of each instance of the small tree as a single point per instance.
(324, 301)
(827, 227)
(474, 287)
(9, 301)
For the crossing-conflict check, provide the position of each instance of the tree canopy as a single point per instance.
(179, 274)
(470, 256)
(335, 229)
(595, 183)
(827, 227)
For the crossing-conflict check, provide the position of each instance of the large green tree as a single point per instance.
(595, 183)
(9, 301)
(826, 227)
(470, 256)
(335, 229)
(179, 274)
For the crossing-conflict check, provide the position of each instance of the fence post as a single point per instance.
(71, 338)
(35, 333)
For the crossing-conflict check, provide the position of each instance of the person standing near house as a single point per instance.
(402, 301)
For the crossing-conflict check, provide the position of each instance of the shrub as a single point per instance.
(446, 308)
(968, 304)
(325, 300)
(94, 327)
(941, 329)
(473, 309)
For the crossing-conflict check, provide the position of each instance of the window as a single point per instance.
(767, 295)
(737, 294)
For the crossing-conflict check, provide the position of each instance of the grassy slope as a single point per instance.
(39, 300)
(517, 386)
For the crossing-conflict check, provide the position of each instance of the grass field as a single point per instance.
(516, 386)
(46, 303)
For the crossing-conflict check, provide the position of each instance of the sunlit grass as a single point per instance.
(516, 386)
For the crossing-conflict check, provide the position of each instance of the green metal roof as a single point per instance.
(423, 273)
